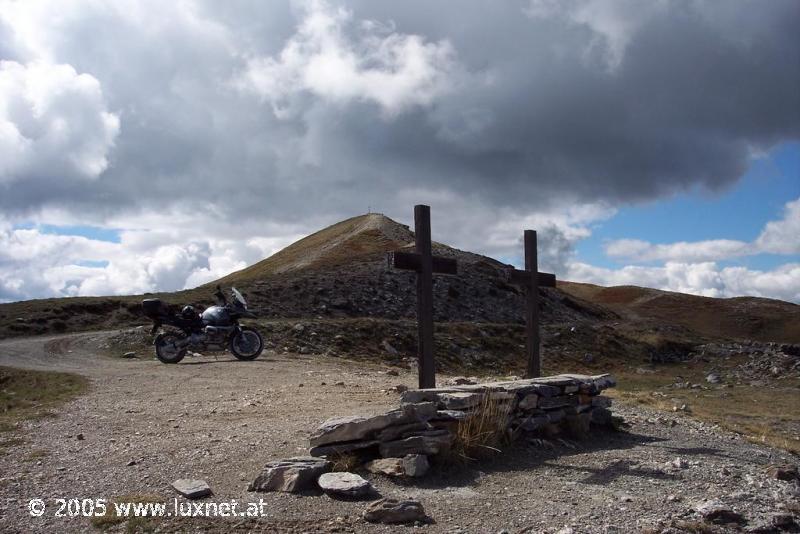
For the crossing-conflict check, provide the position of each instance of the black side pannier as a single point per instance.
(154, 308)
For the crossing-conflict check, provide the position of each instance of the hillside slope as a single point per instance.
(341, 273)
(351, 239)
(734, 318)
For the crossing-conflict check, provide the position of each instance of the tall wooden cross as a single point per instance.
(425, 264)
(531, 279)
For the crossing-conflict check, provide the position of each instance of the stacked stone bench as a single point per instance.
(400, 441)
(425, 422)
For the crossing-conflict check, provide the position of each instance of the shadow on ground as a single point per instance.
(522, 457)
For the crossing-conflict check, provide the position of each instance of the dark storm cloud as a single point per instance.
(535, 104)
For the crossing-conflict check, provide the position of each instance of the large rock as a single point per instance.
(354, 427)
(411, 465)
(420, 411)
(393, 511)
(345, 484)
(192, 489)
(415, 465)
(602, 382)
(715, 512)
(392, 467)
(432, 443)
(292, 475)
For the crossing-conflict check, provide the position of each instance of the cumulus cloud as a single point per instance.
(706, 279)
(232, 124)
(492, 102)
(54, 124)
(36, 264)
(782, 236)
(778, 237)
(379, 65)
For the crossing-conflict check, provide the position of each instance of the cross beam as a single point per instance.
(412, 261)
(425, 264)
(531, 279)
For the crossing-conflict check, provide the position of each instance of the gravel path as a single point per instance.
(145, 424)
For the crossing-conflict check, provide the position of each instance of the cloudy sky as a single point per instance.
(149, 145)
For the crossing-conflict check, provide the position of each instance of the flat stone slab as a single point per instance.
(345, 484)
(395, 432)
(393, 511)
(428, 445)
(551, 403)
(354, 427)
(450, 415)
(548, 386)
(460, 400)
(341, 448)
(292, 475)
(192, 489)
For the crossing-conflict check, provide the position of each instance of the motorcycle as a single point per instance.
(216, 328)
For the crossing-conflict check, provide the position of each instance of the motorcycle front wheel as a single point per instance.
(166, 350)
(247, 344)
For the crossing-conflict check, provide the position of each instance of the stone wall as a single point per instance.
(427, 421)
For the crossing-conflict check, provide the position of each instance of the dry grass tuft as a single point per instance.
(345, 462)
(483, 432)
(134, 524)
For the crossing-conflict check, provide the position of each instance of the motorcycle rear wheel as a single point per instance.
(247, 344)
(166, 351)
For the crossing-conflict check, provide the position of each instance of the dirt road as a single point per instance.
(145, 424)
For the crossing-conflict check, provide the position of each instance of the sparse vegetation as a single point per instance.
(134, 524)
(762, 415)
(26, 394)
(483, 433)
(345, 462)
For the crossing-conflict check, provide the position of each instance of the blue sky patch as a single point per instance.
(739, 214)
(111, 235)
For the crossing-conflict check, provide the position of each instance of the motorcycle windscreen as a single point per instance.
(239, 297)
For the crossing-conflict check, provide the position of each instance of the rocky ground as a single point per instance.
(143, 425)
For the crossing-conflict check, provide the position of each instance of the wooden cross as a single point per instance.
(425, 264)
(531, 279)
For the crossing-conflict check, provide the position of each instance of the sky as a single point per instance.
(156, 146)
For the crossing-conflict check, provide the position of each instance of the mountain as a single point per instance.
(342, 271)
(353, 239)
(334, 293)
(734, 318)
